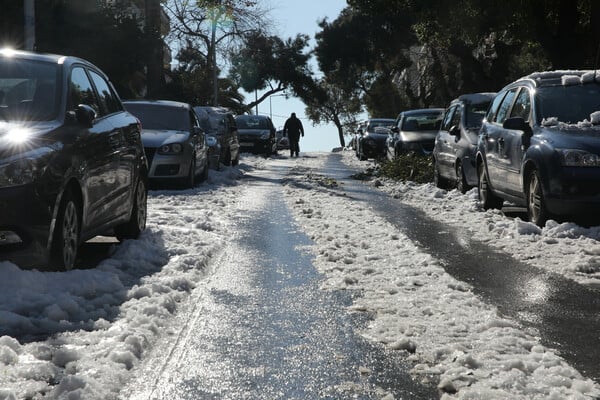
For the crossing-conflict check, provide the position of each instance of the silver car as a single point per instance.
(174, 142)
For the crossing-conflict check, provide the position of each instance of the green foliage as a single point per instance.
(408, 167)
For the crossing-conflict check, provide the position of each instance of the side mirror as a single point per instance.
(454, 131)
(517, 124)
(395, 129)
(85, 115)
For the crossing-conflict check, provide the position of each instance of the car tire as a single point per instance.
(536, 206)
(139, 212)
(438, 181)
(486, 195)
(204, 175)
(227, 159)
(461, 182)
(66, 233)
(235, 161)
(190, 180)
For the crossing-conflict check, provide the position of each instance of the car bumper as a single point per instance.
(573, 191)
(373, 149)
(24, 226)
(256, 146)
(167, 167)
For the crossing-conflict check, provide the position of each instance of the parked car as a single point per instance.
(257, 134)
(174, 142)
(415, 131)
(283, 142)
(370, 143)
(72, 165)
(456, 142)
(220, 123)
(539, 146)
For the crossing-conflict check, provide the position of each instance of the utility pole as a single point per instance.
(154, 63)
(29, 20)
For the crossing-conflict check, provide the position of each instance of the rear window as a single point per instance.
(426, 121)
(475, 114)
(160, 117)
(252, 123)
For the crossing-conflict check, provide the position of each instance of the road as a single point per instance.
(261, 328)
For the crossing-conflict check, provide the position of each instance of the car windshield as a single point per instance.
(160, 117)
(28, 90)
(475, 114)
(569, 104)
(252, 123)
(379, 123)
(428, 121)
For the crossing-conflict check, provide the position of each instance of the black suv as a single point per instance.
(539, 146)
(72, 164)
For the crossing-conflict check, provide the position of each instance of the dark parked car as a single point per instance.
(370, 142)
(456, 141)
(174, 142)
(257, 134)
(72, 164)
(220, 123)
(539, 146)
(283, 142)
(414, 131)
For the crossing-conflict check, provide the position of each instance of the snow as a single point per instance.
(82, 334)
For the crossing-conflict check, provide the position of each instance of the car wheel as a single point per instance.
(190, 180)
(137, 222)
(438, 181)
(66, 234)
(536, 206)
(227, 158)
(235, 161)
(461, 182)
(486, 196)
(204, 175)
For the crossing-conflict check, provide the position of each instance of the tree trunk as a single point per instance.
(154, 63)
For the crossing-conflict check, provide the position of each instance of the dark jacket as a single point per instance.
(293, 128)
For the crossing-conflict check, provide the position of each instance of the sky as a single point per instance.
(92, 328)
(291, 18)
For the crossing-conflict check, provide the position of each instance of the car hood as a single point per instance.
(573, 137)
(376, 136)
(253, 132)
(417, 136)
(159, 137)
(19, 137)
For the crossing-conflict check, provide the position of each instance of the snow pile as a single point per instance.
(81, 333)
(420, 309)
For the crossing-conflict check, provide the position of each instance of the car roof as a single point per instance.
(243, 116)
(475, 98)
(381, 119)
(422, 111)
(213, 109)
(559, 77)
(166, 103)
(45, 57)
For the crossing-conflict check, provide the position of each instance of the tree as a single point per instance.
(268, 62)
(214, 24)
(82, 28)
(329, 103)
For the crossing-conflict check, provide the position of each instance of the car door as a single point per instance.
(444, 142)
(124, 145)
(494, 135)
(98, 148)
(513, 141)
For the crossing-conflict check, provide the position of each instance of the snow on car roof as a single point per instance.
(476, 98)
(564, 77)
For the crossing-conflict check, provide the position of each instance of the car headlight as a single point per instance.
(173, 148)
(18, 172)
(265, 135)
(578, 158)
(211, 141)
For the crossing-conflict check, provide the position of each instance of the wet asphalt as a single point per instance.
(263, 329)
(565, 314)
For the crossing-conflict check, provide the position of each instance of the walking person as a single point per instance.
(293, 128)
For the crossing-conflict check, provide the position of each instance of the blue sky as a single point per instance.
(290, 18)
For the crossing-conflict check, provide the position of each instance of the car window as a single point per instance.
(424, 121)
(81, 90)
(108, 99)
(494, 107)
(456, 117)
(475, 113)
(522, 107)
(569, 104)
(160, 117)
(447, 121)
(252, 123)
(505, 106)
